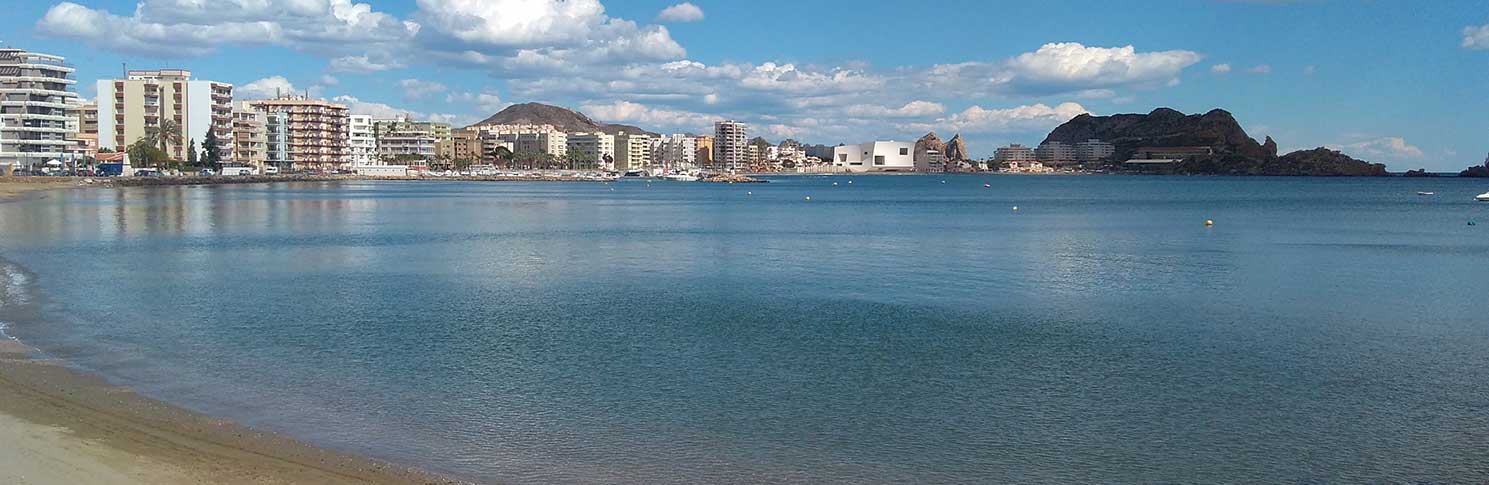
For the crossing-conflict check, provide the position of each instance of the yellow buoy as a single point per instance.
(1209, 222)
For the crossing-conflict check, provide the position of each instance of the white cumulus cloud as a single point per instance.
(682, 12)
(1386, 148)
(977, 119)
(1476, 37)
(1220, 68)
(266, 88)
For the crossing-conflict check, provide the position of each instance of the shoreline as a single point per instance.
(62, 425)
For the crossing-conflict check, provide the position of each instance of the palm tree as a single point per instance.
(169, 134)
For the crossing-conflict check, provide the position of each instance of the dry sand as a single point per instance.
(59, 426)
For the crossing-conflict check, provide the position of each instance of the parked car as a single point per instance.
(206, 172)
(148, 172)
(271, 170)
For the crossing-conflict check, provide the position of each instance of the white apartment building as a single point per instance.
(130, 108)
(1054, 152)
(595, 147)
(875, 156)
(1093, 150)
(34, 98)
(361, 141)
(554, 143)
(632, 151)
(676, 151)
(730, 145)
(1014, 153)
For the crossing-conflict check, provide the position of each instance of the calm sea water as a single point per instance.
(895, 329)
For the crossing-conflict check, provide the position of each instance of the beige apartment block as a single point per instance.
(130, 108)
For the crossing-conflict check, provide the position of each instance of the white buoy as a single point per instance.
(850, 181)
(987, 186)
(943, 181)
(809, 198)
(1015, 208)
(749, 193)
(834, 184)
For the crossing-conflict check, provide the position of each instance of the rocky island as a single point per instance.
(1169, 142)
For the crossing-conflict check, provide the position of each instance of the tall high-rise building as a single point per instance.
(147, 100)
(316, 130)
(360, 140)
(730, 145)
(34, 94)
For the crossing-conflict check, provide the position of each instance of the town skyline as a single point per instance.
(676, 67)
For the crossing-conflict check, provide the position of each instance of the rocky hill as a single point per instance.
(1477, 171)
(928, 142)
(1235, 152)
(566, 120)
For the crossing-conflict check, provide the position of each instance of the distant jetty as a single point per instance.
(728, 178)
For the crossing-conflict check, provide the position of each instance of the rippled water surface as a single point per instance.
(892, 329)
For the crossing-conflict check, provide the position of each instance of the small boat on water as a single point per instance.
(1484, 197)
(1426, 193)
(633, 173)
(681, 177)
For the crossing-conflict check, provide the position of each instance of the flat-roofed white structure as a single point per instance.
(875, 156)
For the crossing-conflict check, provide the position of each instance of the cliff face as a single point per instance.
(1235, 152)
(956, 149)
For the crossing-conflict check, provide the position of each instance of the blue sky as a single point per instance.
(1402, 83)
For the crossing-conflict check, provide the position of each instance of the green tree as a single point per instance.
(191, 158)
(211, 149)
(143, 153)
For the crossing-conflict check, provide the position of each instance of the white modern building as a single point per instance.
(596, 147)
(361, 141)
(731, 149)
(875, 156)
(34, 99)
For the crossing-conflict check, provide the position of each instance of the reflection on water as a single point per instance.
(894, 330)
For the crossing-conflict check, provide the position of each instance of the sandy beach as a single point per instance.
(15, 187)
(58, 426)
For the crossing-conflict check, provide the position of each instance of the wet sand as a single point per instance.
(59, 426)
